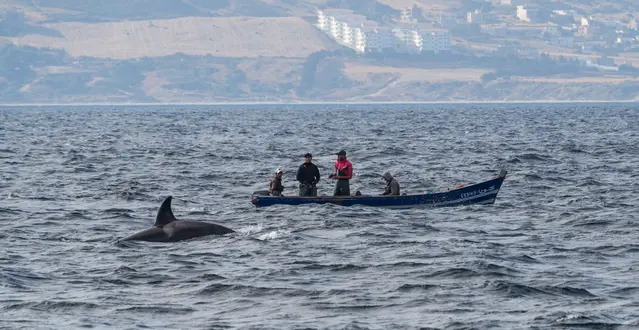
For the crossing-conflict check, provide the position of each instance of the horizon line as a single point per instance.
(308, 103)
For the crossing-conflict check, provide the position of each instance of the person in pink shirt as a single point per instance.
(343, 173)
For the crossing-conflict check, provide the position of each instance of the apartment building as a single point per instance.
(378, 39)
(435, 40)
(323, 16)
(362, 35)
(407, 40)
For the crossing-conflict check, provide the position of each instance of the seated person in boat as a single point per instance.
(308, 176)
(343, 173)
(276, 187)
(392, 186)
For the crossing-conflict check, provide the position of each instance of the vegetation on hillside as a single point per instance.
(203, 55)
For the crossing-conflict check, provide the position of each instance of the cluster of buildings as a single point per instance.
(505, 21)
(564, 28)
(366, 36)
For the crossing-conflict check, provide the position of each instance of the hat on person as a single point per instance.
(341, 153)
(279, 170)
(308, 154)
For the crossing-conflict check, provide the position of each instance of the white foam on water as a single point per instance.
(273, 235)
(252, 229)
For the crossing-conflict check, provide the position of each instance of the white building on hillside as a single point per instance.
(323, 16)
(406, 15)
(362, 35)
(348, 30)
(406, 40)
(334, 28)
(339, 24)
(435, 40)
(377, 39)
(522, 13)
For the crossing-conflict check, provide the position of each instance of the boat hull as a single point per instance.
(480, 193)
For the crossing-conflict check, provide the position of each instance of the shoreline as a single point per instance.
(121, 104)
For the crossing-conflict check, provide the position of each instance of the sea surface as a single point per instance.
(558, 249)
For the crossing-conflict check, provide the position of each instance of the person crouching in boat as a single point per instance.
(308, 176)
(392, 186)
(276, 187)
(343, 173)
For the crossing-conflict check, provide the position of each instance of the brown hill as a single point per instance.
(223, 37)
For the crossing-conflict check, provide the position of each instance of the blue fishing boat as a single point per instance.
(480, 193)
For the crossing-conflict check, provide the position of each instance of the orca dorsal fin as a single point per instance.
(165, 215)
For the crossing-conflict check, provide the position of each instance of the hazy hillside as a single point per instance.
(270, 50)
(116, 10)
(224, 36)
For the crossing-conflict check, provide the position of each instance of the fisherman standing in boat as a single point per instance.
(276, 187)
(392, 186)
(343, 173)
(308, 175)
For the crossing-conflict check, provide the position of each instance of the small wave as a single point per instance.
(407, 264)
(20, 276)
(209, 177)
(217, 288)
(334, 267)
(209, 277)
(490, 267)
(516, 290)
(84, 169)
(533, 177)
(524, 258)
(124, 270)
(334, 292)
(40, 198)
(592, 223)
(589, 183)
(572, 147)
(453, 273)
(581, 321)
(74, 159)
(52, 306)
(364, 305)
(202, 254)
(533, 157)
(415, 287)
(130, 195)
(7, 211)
(629, 291)
(157, 309)
(119, 215)
(80, 215)
(117, 281)
(570, 291)
(118, 210)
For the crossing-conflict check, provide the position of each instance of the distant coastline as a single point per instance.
(311, 103)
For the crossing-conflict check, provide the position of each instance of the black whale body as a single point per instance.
(169, 229)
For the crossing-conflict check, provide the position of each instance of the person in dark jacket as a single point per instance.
(276, 187)
(392, 186)
(308, 176)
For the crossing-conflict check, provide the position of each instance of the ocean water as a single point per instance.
(558, 249)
